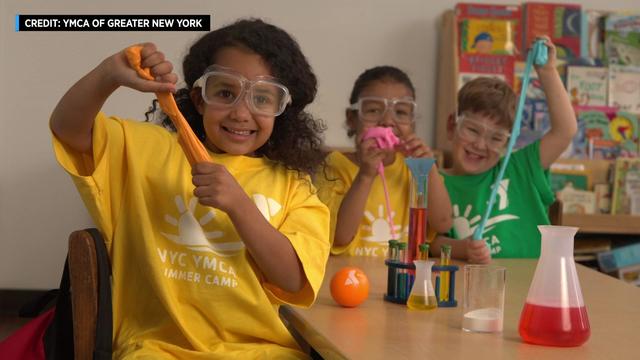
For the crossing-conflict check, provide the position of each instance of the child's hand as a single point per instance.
(551, 60)
(412, 146)
(118, 69)
(478, 252)
(369, 155)
(216, 187)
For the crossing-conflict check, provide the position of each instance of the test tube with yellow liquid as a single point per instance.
(445, 259)
(422, 295)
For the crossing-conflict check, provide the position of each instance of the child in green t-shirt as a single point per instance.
(479, 132)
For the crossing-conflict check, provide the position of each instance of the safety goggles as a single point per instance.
(372, 109)
(223, 88)
(472, 130)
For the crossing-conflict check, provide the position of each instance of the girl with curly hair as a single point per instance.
(203, 256)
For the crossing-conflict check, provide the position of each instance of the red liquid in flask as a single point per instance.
(554, 326)
(417, 231)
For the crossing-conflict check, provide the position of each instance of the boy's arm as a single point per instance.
(439, 203)
(472, 251)
(563, 119)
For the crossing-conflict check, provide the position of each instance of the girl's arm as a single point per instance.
(439, 203)
(563, 120)
(354, 201)
(270, 249)
(72, 119)
(351, 209)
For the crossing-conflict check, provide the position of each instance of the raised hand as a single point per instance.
(121, 74)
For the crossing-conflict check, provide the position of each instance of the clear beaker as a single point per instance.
(483, 298)
(422, 296)
(554, 313)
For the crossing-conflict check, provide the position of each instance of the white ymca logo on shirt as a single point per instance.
(465, 225)
(190, 232)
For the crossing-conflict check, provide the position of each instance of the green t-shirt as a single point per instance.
(521, 204)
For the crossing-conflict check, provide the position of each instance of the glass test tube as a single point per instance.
(391, 270)
(445, 259)
(402, 275)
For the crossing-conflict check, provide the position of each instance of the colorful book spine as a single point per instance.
(626, 187)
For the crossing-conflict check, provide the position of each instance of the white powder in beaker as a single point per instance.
(483, 320)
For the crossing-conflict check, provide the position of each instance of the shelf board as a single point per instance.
(603, 223)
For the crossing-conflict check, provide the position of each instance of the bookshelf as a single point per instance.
(447, 84)
(603, 223)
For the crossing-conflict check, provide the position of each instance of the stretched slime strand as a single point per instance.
(537, 55)
(191, 145)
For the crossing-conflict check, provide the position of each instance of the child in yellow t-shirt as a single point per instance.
(202, 257)
(350, 186)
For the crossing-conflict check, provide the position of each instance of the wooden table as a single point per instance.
(380, 330)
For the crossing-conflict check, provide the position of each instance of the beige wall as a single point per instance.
(39, 206)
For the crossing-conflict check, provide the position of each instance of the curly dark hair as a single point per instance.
(379, 73)
(296, 140)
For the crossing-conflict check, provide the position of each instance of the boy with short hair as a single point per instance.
(480, 133)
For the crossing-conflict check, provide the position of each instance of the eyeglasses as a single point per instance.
(372, 109)
(223, 88)
(472, 130)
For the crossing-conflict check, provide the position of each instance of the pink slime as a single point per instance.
(385, 139)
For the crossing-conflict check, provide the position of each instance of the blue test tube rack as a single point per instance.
(451, 299)
(400, 278)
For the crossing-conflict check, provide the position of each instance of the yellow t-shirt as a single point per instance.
(374, 232)
(184, 285)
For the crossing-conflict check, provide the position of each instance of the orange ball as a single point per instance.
(349, 286)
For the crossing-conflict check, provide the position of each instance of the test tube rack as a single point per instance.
(451, 298)
(400, 278)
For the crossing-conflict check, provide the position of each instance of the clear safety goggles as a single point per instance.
(223, 88)
(472, 130)
(371, 109)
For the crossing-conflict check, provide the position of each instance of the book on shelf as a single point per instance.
(488, 28)
(477, 65)
(560, 176)
(603, 198)
(630, 274)
(587, 85)
(561, 22)
(620, 257)
(626, 187)
(593, 33)
(576, 201)
(622, 39)
(624, 88)
(604, 133)
(603, 149)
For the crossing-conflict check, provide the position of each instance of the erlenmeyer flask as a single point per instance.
(422, 296)
(554, 313)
